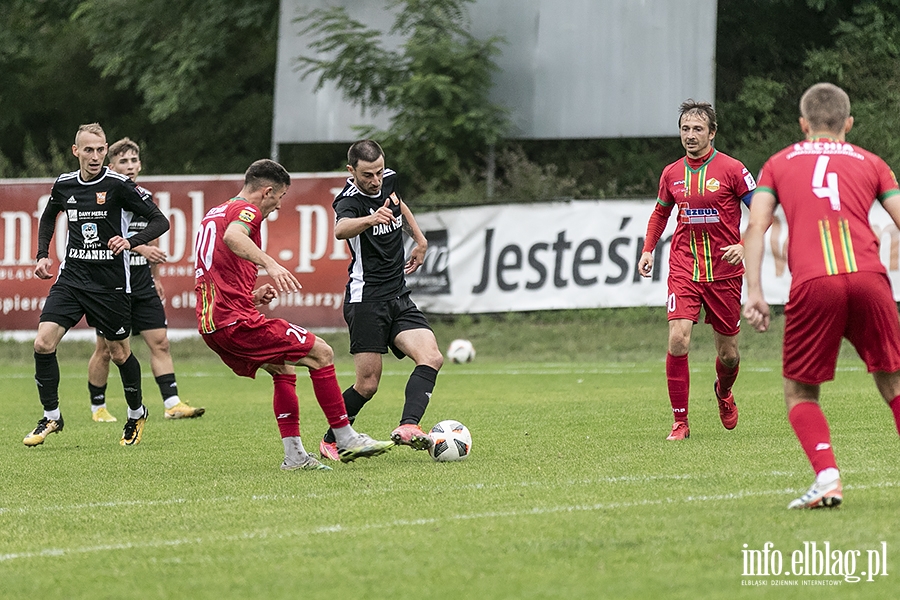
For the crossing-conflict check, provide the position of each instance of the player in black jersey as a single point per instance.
(94, 277)
(379, 312)
(148, 317)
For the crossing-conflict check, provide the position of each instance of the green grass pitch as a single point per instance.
(571, 490)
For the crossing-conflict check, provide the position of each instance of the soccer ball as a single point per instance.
(452, 441)
(461, 351)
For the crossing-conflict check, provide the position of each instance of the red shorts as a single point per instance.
(819, 312)
(245, 346)
(721, 299)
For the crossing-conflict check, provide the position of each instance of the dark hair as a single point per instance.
(825, 106)
(122, 146)
(365, 150)
(266, 172)
(699, 109)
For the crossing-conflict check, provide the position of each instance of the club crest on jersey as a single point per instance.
(394, 199)
(247, 215)
(90, 235)
(712, 184)
(101, 197)
(693, 216)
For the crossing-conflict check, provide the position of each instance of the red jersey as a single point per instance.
(708, 193)
(827, 188)
(225, 281)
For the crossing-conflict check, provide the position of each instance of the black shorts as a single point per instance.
(374, 325)
(147, 313)
(107, 312)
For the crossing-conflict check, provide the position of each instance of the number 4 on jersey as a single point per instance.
(819, 186)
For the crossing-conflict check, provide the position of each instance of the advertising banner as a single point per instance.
(579, 254)
(516, 257)
(300, 235)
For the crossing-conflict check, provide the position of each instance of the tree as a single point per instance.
(435, 87)
(203, 73)
(764, 67)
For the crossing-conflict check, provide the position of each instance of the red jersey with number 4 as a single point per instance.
(827, 188)
(225, 281)
(708, 196)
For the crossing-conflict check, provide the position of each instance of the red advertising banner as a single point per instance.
(300, 236)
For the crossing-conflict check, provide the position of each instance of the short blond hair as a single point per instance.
(826, 107)
(90, 128)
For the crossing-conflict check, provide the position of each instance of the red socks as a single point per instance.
(726, 376)
(895, 408)
(678, 377)
(811, 427)
(328, 395)
(285, 404)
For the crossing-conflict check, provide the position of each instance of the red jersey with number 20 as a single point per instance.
(827, 188)
(225, 281)
(708, 196)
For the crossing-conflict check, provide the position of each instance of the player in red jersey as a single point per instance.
(839, 286)
(705, 257)
(228, 256)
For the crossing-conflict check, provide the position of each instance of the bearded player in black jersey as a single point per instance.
(379, 312)
(94, 277)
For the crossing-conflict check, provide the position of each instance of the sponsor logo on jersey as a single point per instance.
(101, 197)
(72, 214)
(748, 179)
(90, 235)
(692, 216)
(247, 215)
(394, 199)
(71, 200)
(712, 184)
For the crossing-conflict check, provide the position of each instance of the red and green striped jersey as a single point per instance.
(708, 194)
(827, 188)
(225, 281)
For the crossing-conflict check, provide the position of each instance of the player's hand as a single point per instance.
(416, 258)
(383, 215)
(153, 254)
(264, 294)
(734, 254)
(160, 290)
(284, 279)
(117, 244)
(756, 311)
(42, 270)
(645, 265)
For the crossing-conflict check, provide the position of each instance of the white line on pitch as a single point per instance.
(338, 528)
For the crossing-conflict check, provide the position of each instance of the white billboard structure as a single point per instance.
(569, 69)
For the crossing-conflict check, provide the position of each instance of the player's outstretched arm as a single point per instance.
(237, 238)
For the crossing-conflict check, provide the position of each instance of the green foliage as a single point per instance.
(855, 45)
(435, 87)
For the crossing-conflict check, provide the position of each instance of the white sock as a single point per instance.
(826, 476)
(293, 448)
(53, 415)
(170, 402)
(96, 407)
(137, 414)
(343, 435)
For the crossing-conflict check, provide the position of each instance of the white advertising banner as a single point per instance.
(579, 254)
